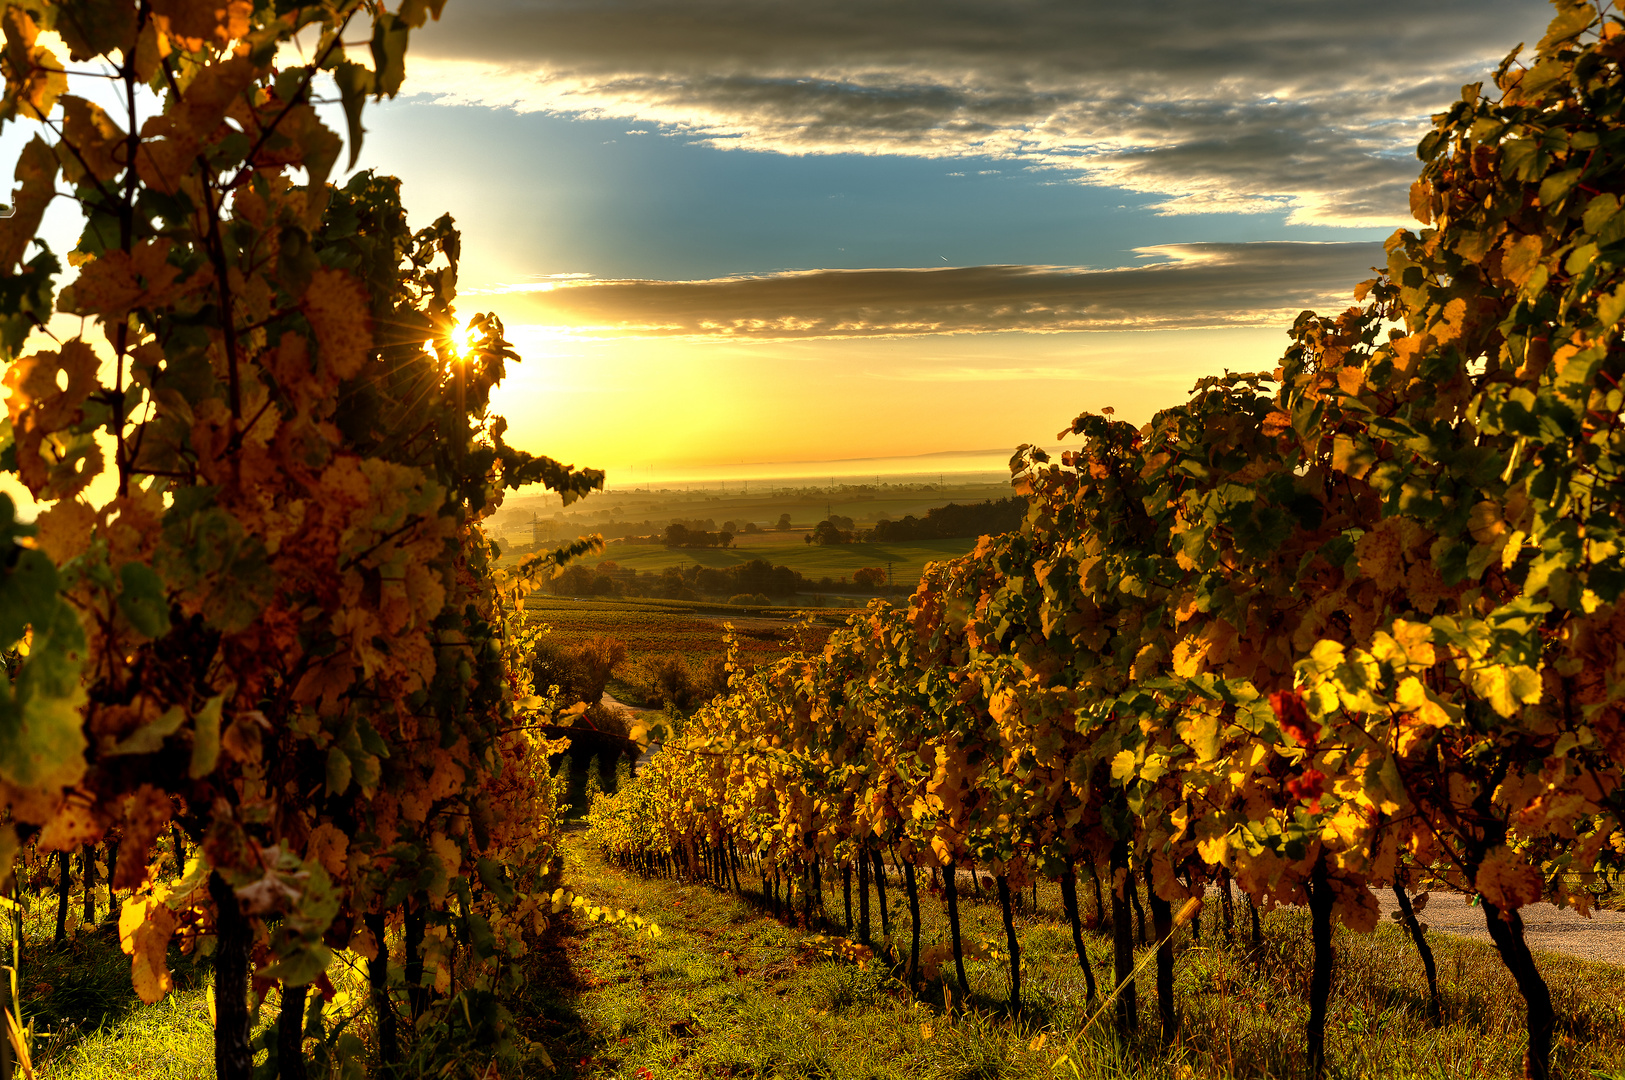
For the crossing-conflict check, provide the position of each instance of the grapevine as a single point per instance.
(282, 640)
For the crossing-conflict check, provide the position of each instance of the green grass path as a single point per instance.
(728, 992)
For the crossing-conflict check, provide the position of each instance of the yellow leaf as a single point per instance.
(1484, 521)
(34, 76)
(339, 312)
(94, 140)
(1407, 352)
(925, 1031)
(171, 139)
(1507, 881)
(1519, 258)
(1505, 687)
(1201, 733)
(145, 926)
(1379, 553)
(361, 942)
(1353, 458)
(1213, 851)
(1421, 202)
(117, 282)
(40, 408)
(451, 860)
(65, 529)
(196, 23)
(1146, 661)
(1452, 320)
(36, 186)
(1189, 656)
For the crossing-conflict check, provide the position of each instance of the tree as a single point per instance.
(784, 523)
(870, 577)
(828, 532)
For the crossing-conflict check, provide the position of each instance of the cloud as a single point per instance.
(1192, 286)
(1312, 108)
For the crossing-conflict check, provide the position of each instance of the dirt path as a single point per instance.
(615, 705)
(1545, 926)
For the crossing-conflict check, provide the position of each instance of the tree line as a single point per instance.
(694, 582)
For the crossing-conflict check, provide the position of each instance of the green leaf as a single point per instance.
(1505, 687)
(1610, 308)
(338, 771)
(490, 872)
(142, 599)
(27, 594)
(149, 738)
(206, 738)
(1568, 24)
(389, 34)
(320, 147)
(302, 966)
(93, 27)
(1599, 210)
(1522, 159)
(480, 935)
(1556, 187)
(355, 82)
(365, 771)
(42, 741)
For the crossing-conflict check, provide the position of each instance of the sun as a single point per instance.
(461, 338)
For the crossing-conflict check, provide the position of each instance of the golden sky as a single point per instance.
(729, 232)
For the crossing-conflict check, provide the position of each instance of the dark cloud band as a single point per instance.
(1312, 107)
(1198, 285)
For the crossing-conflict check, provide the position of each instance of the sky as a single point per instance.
(730, 233)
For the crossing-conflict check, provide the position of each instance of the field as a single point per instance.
(689, 629)
(906, 561)
(863, 502)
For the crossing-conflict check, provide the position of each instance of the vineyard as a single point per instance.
(1351, 626)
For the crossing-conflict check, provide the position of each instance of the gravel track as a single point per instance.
(1545, 926)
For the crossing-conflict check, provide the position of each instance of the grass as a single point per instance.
(88, 1023)
(727, 992)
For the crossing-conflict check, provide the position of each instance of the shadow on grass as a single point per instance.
(548, 1008)
(72, 990)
